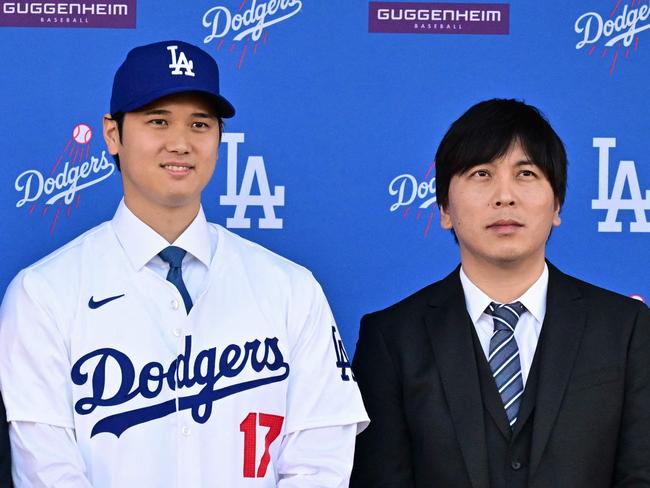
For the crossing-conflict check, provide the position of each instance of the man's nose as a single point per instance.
(177, 141)
(503, 193)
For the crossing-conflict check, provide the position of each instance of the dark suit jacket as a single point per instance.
(5, 457)
(417, 370)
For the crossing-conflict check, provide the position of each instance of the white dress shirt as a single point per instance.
(530, 323)
(46, 455)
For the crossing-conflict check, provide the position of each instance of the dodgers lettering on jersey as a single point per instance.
(181, 373)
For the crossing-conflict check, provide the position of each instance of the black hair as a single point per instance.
(119, 120)
(487, 131)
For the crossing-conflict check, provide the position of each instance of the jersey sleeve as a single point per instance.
(322, 389)
(46, 456)
(34, 359)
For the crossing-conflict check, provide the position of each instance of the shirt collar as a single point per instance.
(534, 299)
(141, 243)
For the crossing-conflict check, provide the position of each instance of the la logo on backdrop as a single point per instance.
(614, 34)
(244, 197)
(626, 182)
(626, 194)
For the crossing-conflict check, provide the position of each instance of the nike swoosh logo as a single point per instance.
(93, 304)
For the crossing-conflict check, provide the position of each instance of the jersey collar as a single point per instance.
(141, 243)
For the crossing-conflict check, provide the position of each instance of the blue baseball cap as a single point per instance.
(164, 68)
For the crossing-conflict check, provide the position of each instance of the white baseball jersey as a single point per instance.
(158, 397)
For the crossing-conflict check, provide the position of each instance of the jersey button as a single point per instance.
(516, 465)
(186, 430)
(174, 304)
(177, 332)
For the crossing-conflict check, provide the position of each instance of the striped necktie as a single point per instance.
(174, 255)
(503, 356)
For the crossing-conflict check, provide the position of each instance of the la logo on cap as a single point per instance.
(181, 65)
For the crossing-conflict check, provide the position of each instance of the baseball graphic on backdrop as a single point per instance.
(82, 133)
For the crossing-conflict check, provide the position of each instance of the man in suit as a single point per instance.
(507, 373)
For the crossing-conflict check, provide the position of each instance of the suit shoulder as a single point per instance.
(412, 306)
(604, 307)
(602, 298)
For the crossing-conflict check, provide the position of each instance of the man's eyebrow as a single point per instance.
(204, 115)
(156, 111)
(162, 111)
(521, 162)
(525, 162)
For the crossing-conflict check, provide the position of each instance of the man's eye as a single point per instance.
(528, 173)
(481, 173)
(200, 125)
(158, 122)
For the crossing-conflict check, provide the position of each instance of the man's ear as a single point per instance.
(111, 134)
(445, 218)
(556, 216)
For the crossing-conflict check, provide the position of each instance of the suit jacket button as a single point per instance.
(515, 465)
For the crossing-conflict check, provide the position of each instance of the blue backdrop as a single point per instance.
(337, 126)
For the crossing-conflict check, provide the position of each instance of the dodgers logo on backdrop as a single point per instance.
(247, 24)
(438, 18)
(85, 13)
(615, 34)
(74, 170)
(408, 191)
(626, 181)
(242, 197)
(217, 374)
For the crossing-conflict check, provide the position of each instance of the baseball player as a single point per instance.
(160, 350)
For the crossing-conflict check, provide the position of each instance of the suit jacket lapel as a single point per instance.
(449, 328)
(559, 342)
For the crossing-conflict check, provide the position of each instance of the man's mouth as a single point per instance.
(505, 225)
(177, 167)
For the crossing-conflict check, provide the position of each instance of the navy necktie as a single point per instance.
(503, 356)
(174, 256)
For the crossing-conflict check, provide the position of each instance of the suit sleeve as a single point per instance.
(383, 452)
(633, 451)
(5, 455)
